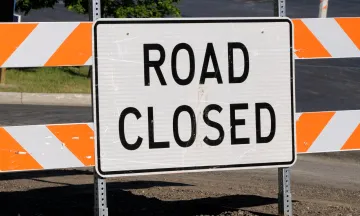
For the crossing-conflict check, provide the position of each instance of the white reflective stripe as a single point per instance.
(41, 44)
(337, 132)
(89, 62)
(91, 125)
(44, 147)
(332, 37)
(297, 116)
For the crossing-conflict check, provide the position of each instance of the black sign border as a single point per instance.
(174, 21)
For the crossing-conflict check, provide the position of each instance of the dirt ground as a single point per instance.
(321, 185)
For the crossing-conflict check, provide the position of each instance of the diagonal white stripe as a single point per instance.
(44, 147)
(89, 62)
(91, 125)
(41, 44)
(337, 132)
(332, 37)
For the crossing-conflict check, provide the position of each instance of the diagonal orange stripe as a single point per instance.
(351, 28)
(306, 44)
(13, 157)
(78, 139)
(308, 128)
(354, 140)
(11, 36)
(76, 49)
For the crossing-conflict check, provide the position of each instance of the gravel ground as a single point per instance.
(320, 186)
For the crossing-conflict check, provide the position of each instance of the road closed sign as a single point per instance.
(192, 94)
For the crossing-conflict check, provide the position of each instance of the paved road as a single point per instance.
(295, 8)
(29, 114)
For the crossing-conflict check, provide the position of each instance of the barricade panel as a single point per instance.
(58, 146)
(46, 44)
(49, 44)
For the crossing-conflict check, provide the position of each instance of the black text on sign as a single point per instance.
(205, 74)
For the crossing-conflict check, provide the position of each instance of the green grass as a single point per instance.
(47, 80)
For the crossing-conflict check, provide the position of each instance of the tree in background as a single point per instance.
(110, 8)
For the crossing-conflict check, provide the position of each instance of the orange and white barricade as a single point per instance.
(69, 44)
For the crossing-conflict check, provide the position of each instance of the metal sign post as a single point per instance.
(323, 8)
(285, 201)
(100, 197)
(279, 8)
(100, 201)
(284, 196)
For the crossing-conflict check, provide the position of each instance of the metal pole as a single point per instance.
(323, 8)
(279, 8)
(96, 9)
(284, 196)
(285, 201)
(100, 197)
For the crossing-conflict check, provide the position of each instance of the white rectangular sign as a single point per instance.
(193, 94)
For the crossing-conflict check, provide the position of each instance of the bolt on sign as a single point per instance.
(193, 94)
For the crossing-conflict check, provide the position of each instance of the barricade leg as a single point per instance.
(100, 196)
(284, 197)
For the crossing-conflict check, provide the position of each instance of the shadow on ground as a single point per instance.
(76, 200)
(75, 71)
(45, 173)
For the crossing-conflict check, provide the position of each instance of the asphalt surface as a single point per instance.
(262, 8)
(12, 115)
